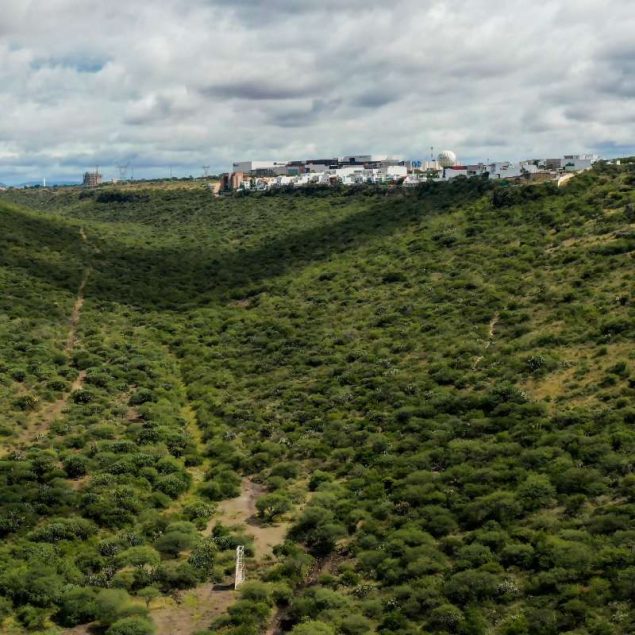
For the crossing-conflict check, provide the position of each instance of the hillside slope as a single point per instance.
(435, 388)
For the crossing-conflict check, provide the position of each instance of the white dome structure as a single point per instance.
(446, 159)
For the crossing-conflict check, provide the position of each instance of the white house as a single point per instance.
(509, 170)
(393, 172)
(579, 162)
(454, 171)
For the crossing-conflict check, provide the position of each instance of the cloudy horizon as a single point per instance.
(182, 84)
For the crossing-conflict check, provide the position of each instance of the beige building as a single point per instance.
(235, 180)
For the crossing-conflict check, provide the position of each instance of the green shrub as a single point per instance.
(132, 626)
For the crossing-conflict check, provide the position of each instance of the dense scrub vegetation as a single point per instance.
(435, 386)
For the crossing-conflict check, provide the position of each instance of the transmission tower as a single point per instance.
(239, 577)
(123, 171)
(205, 171)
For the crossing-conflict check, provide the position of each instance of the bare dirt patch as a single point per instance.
(78, 483)
(579, 379)
(241, 511)
(82, 629)
(193, 610)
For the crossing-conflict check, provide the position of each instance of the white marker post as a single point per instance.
(239, 578)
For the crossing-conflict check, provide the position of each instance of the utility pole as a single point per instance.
(239, 577)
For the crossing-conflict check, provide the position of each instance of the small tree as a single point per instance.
(537, 491)
(132, 626)
(140, 556)
(148, 594)
(76, 607)
(112, 605)
(313, 627)
(270, 506)
(173, 542)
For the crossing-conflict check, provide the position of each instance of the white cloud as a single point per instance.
(192, 82)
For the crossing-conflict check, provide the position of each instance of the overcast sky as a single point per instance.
(186, 83)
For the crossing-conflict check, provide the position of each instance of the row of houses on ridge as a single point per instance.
(376, 169)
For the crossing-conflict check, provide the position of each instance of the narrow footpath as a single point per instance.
(40, 421)
(490, 339)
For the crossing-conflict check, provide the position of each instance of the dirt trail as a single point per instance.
(563, 180)
(192, 611)
(82, 629)
(45, 417)
(492, 327)
(195, 609)
(71, 339)
(242, 511)
(239, 510)
(490, 338)
(40, 421)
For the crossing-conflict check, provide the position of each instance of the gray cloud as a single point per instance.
(193, 82)
(299, 116)
(374, 98)
(257, 89)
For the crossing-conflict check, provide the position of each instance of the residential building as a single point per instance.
(235, 180)
(358, 169)
(579, 162)
(258, 168)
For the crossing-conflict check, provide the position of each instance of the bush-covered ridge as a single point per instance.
(437, 383)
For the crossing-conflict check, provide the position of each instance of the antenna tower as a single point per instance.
(123, 171)
(239, 577)
(206, 171)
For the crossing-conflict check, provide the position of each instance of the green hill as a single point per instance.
(428, 392)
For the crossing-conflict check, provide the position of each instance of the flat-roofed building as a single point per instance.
(263, 168)
(553, 164)
(579, 162)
